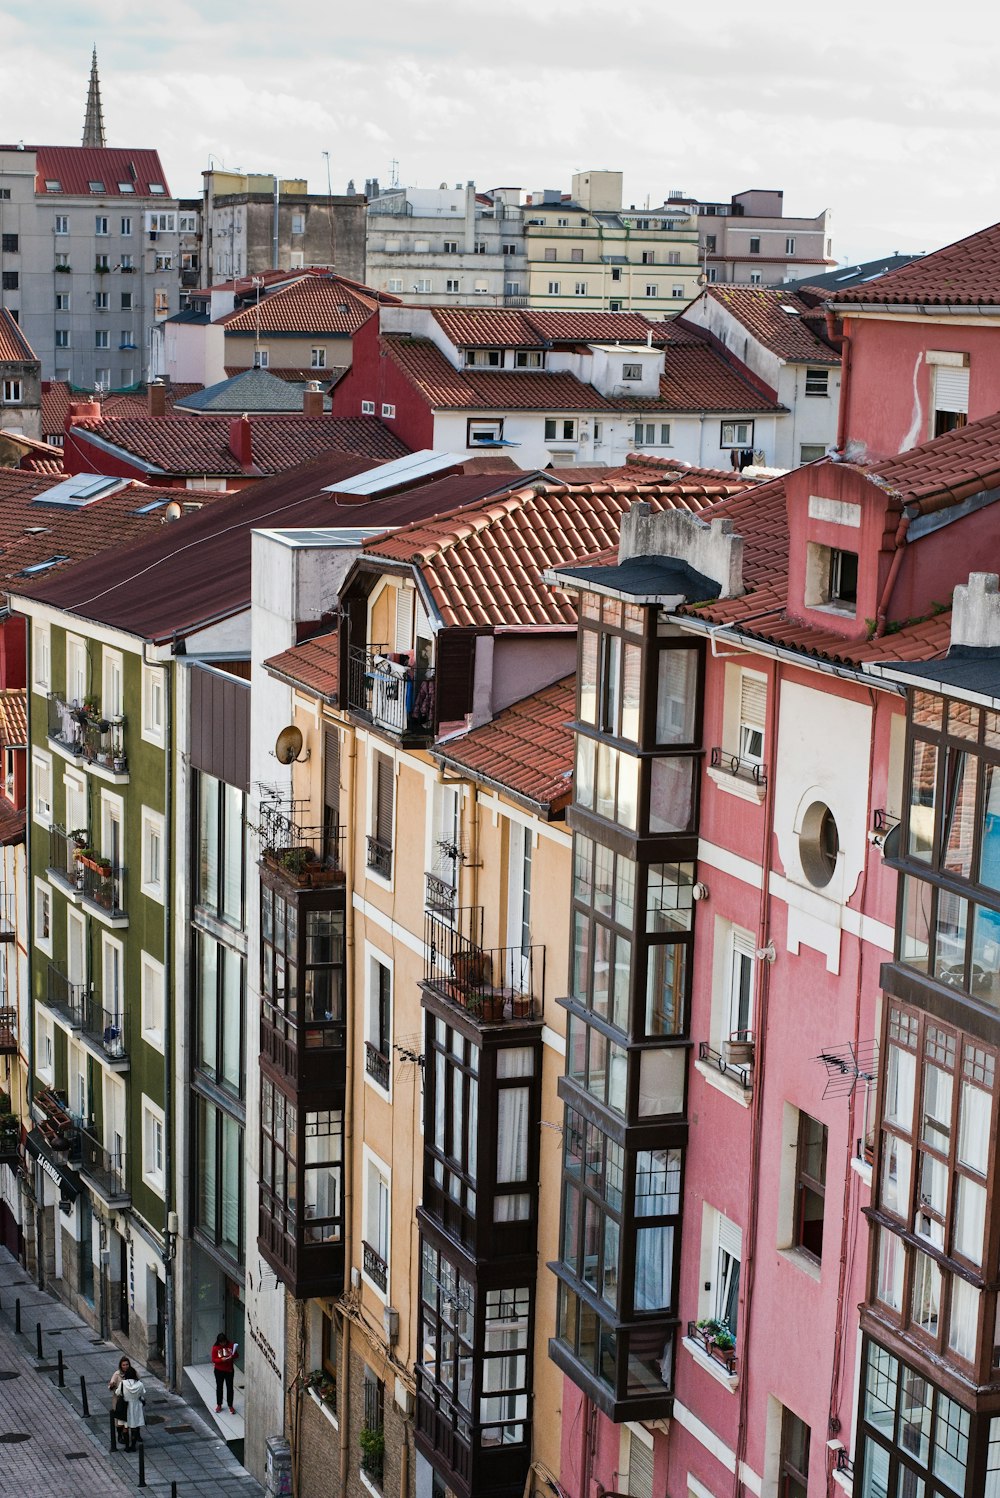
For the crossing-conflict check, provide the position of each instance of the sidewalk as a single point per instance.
(64, 1450)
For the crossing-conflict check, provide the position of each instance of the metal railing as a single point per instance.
(495, 985)
(8, 1031)
(740, 765)
(373, 1448)
(729, 1064)
(392, 694)
(380, 857)
(376, 1268)
(439, 895)
(104, 886)
(68, 999)
(705, 1337)
(81, 728)
(104, 1168)
(304, 855)
(108, 1027)
(63, 862)
(843, 1462)
(377, 1065)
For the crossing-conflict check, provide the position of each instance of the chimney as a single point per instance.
(81, 411)
(156, 397)
(240, 443)
(975, 618)
(312, 399)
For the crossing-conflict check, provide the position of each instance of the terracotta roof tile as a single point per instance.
(526, 750)
(312, 305)
(57, 395)
(590, 327)
(75, 167)
(200, 444)
(12, 822)
(312, 665)
(777, 319)
(535, 327)
(963, 274)
(696, 378)
(14, 347)
(483, 564)
(14, 717)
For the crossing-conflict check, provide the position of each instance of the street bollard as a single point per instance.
(173, 1489)
(83, 1396)
(62, 1369)
(17, 1315)
(38, 1339)
(114, 1431)
(142, 1465)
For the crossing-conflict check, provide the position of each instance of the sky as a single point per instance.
(886, 114)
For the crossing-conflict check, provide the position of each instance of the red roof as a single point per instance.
(527, 750)
(312, 305)
(313, 665)
(483, 565)
(76, 167)
(590, 327)
(963, 274)
(777, 319)
(14, 347)
(199, 445)
(57, 395)
(14, 717)
(535, 327)
(696, 378)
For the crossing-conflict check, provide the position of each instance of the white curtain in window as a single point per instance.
(963, 1318)
(654, 1267)
(512, 1148)
(974, 1128)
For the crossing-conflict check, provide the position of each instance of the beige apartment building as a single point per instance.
(589, 252)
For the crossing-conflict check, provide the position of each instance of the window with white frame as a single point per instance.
(756, 279)
(368, 408)
(46, 1061)
(153, 720)
(76, 671)
(423, 284)
(560, 429)
(652, 434)
(298, 223)
(395, 283)
(452, 285)
(102, 338)
(753, 710)
(676, 291)
(817, 382)
(554, 288)
(378, 1023)
(652, 289)
(41, 787)
(41, 657)
(101, 224)
(388, 410)
(740, 984)
(112, 693)
(152, 1001)
(75, 789)
(152, 854)
(43, 917)
(63, 301)
(12, 392)
(112, 992)
(479, 432)
(76, 947)
(736, 434)
(722, 1255)
(112, 829)
(579, 288)
(153, 1142)
(377, 1224)
(520, 870)
(317, 358)
(62, 223)
(789, 245)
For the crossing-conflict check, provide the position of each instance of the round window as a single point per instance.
(819, 844)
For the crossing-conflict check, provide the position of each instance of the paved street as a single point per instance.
(47, 1447)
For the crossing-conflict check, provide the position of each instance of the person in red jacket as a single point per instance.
(223, 1361)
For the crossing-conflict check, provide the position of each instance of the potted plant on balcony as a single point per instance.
(372, 1442)
(738, 1049)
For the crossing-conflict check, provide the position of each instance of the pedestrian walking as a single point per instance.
(118, 1404)
(134, 1391)
(223, 1361)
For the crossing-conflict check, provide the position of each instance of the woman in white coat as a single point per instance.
(133, 1390)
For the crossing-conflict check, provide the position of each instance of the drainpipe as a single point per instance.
(274, 229)
(345, 1323)
(845, 370)
(899, 542)
(169, 1238)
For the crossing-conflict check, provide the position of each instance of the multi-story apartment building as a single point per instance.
(254, 222)
(449, 246)
(750, 238)
(20, 382)
(588, 251)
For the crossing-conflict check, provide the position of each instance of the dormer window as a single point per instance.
(831, 578)
(530, 358)
(844, 579)
(484, 358)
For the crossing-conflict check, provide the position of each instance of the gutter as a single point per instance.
(925, 309)
(751, 643)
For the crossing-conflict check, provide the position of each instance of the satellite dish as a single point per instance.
(173, 511)
(288, 745)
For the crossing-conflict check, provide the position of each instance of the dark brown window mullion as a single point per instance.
(384, 789)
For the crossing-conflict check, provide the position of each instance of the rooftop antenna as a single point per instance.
(394, 173)
(329, 209)
(93, 124)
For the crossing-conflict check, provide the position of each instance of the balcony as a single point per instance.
(716, 1341)
(377, 1065)
(379, 857)
(80, 732)
(512, 300)
(67, 1000)
(104, 889)
(375, 1267)
(105, 1031)
(8, 1030)
(493, 985)
(58, 1129)
(104, 1170)
(390, 692)
(64, 868)
(740, 774)
(308, 857)
(439, 895)
(734, 1060)
(306, 1256)
(10, 1132)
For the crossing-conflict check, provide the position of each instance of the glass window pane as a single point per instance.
(232, 1028)
(208, 841)
(666, 965)
(232, 895)
(628, 790)
(661, 1081)
(900, 1078)
(583, 778)
(949, 938)
(963, 1318)
(588, 676)
(657, 1183)
(631, 678)
(915, 924)
(671, 794)
(676, 696)
(970, 1219)
(951, 1443)
(984, 980)
(974, 1116)
(891, 1267)
(989, 856)
(896, 1158)
(669, 901)
(925, 1306)
(960, 814)
(936, 1122)
(923, 792)
(654, 1259)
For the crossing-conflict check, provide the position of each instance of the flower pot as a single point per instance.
(738, 1052)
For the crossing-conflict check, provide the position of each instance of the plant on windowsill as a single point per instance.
(323, 1386)
(79, 837)
(372, 1443)
(717, 1340)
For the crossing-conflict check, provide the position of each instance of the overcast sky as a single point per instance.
(885, 113)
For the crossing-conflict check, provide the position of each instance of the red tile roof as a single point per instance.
(696, 378)
(483, 565)
(535, 327)
(526, 751)
(963, 274)
(57, 395)
(312, 306)
(14, 347)
(75, 167)
(776, 318)
(14, 717)
(312, 665)
(12, 821)
(590, 327)
(199, 445)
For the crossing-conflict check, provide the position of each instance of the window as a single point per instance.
(317, 358)
(562, 223)
(736, 434)
(62, 301)
(126, 228)
(451, 247)
(164, 262)
(101, 338)
(423, 284)
(677, 291)
(152, 1145)
(483, 433)
(710, 243)
(529, 359)
(62, 223)
(9, 280)
(128, 263)
(153, 705)
(951, 393)
(388, 411)
(102, 378)
(755, 278)
(43, 917)
(41, 787)
(511, 288)
(843, 579)
(161, 303)
(576, 255)
(720, 1302)
(381, 812)
(549, 254)
(100, 224)
(161, 222)
(753, 709)
(218, 1202)
(579, 288)
(484, 358)
(755, 246)
(554, 288)
(62, 338)
(41, 657)
(373, 1452)
(394, 283)
(616, 273)
(12, 392)
(673, 257)
(368, 408)
(811, 452)
(153, 1003)
(810, 1186)
(740, 985)
(481, 247)
(101, 301)
(221, 850)
(651, 289)
(510, 249)
(649, 434)
(452, 285)
(376, 1214)
(789, 245)
(559, 429)
(817, 381)
(614, 306)
(261, 358)
(101, 263)
(298, 223)
(631, 371)
(378, 1039)
(152, 854)
(219, 1006)
(648, 257)
(794, 1456)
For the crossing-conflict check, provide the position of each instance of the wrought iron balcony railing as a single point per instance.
(306, 856)
(66, 998)
(495, 985)
(391, 693)
(376, 1268)
(742, 766)
(82, 728)
(106, 1027)
(439, 895)
(104, 885)
(8, 1029)
(104, 1168)
(380, 857)
(735, 1059)
(377, 1065)
(64, 866)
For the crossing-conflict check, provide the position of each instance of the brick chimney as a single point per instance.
(156, 397)
(312, 399)
(240, 441)
(81, 411)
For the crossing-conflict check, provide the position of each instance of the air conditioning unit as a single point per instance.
(390, 1323)
(355, 1277)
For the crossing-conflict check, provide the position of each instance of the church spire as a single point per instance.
(93, 125)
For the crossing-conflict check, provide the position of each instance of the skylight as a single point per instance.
(156, 187)
(52, 184)
(43, 566)
(80, 490)
(96, 186)
(125, 187)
